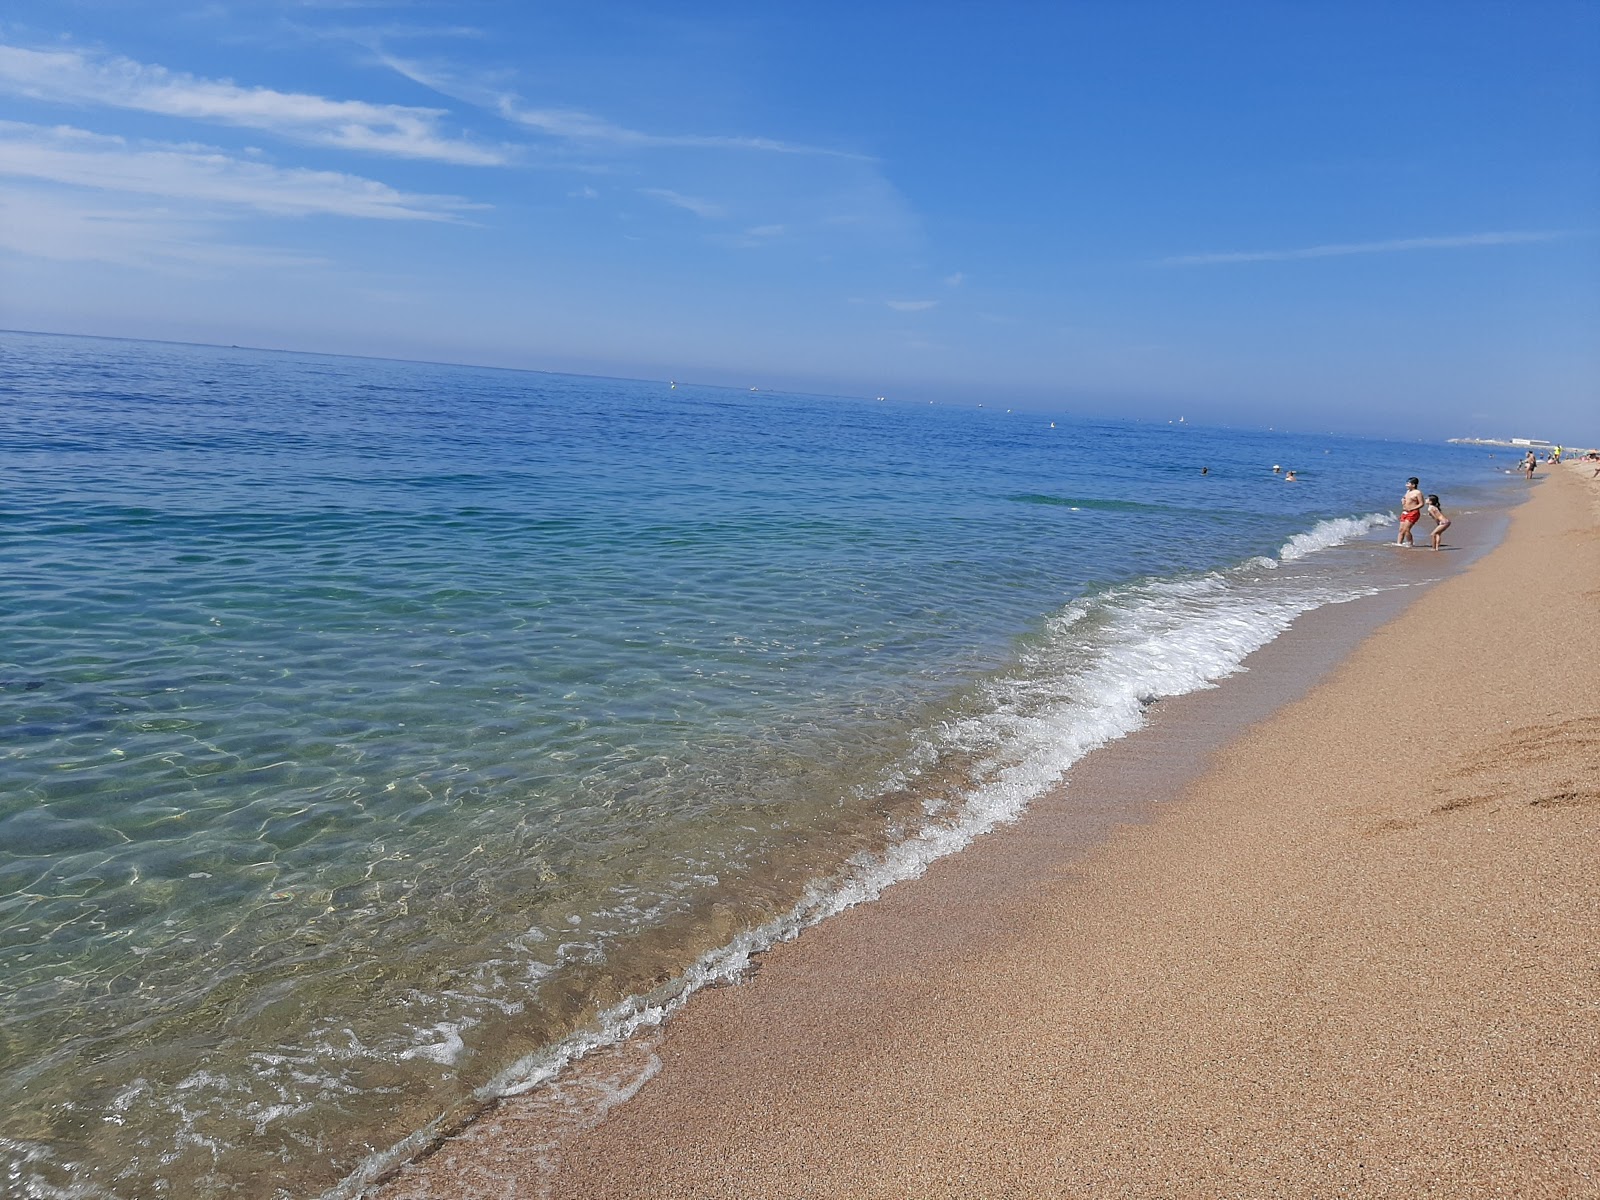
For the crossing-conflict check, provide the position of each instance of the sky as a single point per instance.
(1372, 218)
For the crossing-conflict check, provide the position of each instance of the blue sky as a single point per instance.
(1373, 218)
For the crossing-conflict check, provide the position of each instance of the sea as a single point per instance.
(377, 738)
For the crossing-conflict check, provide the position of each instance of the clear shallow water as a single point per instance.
(374, 735)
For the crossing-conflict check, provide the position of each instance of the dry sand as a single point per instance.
(1358, 956)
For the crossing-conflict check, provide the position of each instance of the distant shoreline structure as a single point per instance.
(1521, 444)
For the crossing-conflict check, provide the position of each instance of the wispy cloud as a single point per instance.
(62, 226)
(753, 238)
(701, 208)
(1338, 249)
(911, 305)
(78, 78)
(199, 174)
(816, 193)
(954, 281)
(577, 126)
(585, 128)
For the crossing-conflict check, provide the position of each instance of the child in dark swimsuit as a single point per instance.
(1440, 521)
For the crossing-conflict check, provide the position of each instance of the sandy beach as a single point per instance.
(1352, 950)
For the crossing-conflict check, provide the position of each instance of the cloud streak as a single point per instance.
(1341, 249)
(907, 306)
(586, 129)
(53, 224)
(576, 126)
(76, 78)
(199, 174)
(705, 209)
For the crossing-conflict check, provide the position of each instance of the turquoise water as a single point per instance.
(374, 736)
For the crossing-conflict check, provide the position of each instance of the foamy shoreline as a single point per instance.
(1356, 958)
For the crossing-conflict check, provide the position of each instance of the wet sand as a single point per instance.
(1347, 945)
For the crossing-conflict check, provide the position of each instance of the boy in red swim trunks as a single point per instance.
(1410, 510)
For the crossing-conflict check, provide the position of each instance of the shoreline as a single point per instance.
(851, 1018)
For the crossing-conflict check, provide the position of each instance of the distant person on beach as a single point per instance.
(1289, 478)
(1528, 463)
(1410, 510)
(1440, 521)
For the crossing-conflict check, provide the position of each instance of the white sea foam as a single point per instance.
(22, 1177)
(1326, 534)
(446, 1052)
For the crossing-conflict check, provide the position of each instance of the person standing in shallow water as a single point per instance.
(1440, 521)
(1529, 461)
(1410, 510)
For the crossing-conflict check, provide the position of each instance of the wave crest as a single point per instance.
(1325, 534)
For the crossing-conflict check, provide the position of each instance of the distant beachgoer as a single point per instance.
(1276, 468)
(1440, 521)
(1289, 478)
(1410, 509)
(1205, 470)
(1529, 461)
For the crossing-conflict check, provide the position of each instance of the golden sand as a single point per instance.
(1359, 956)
